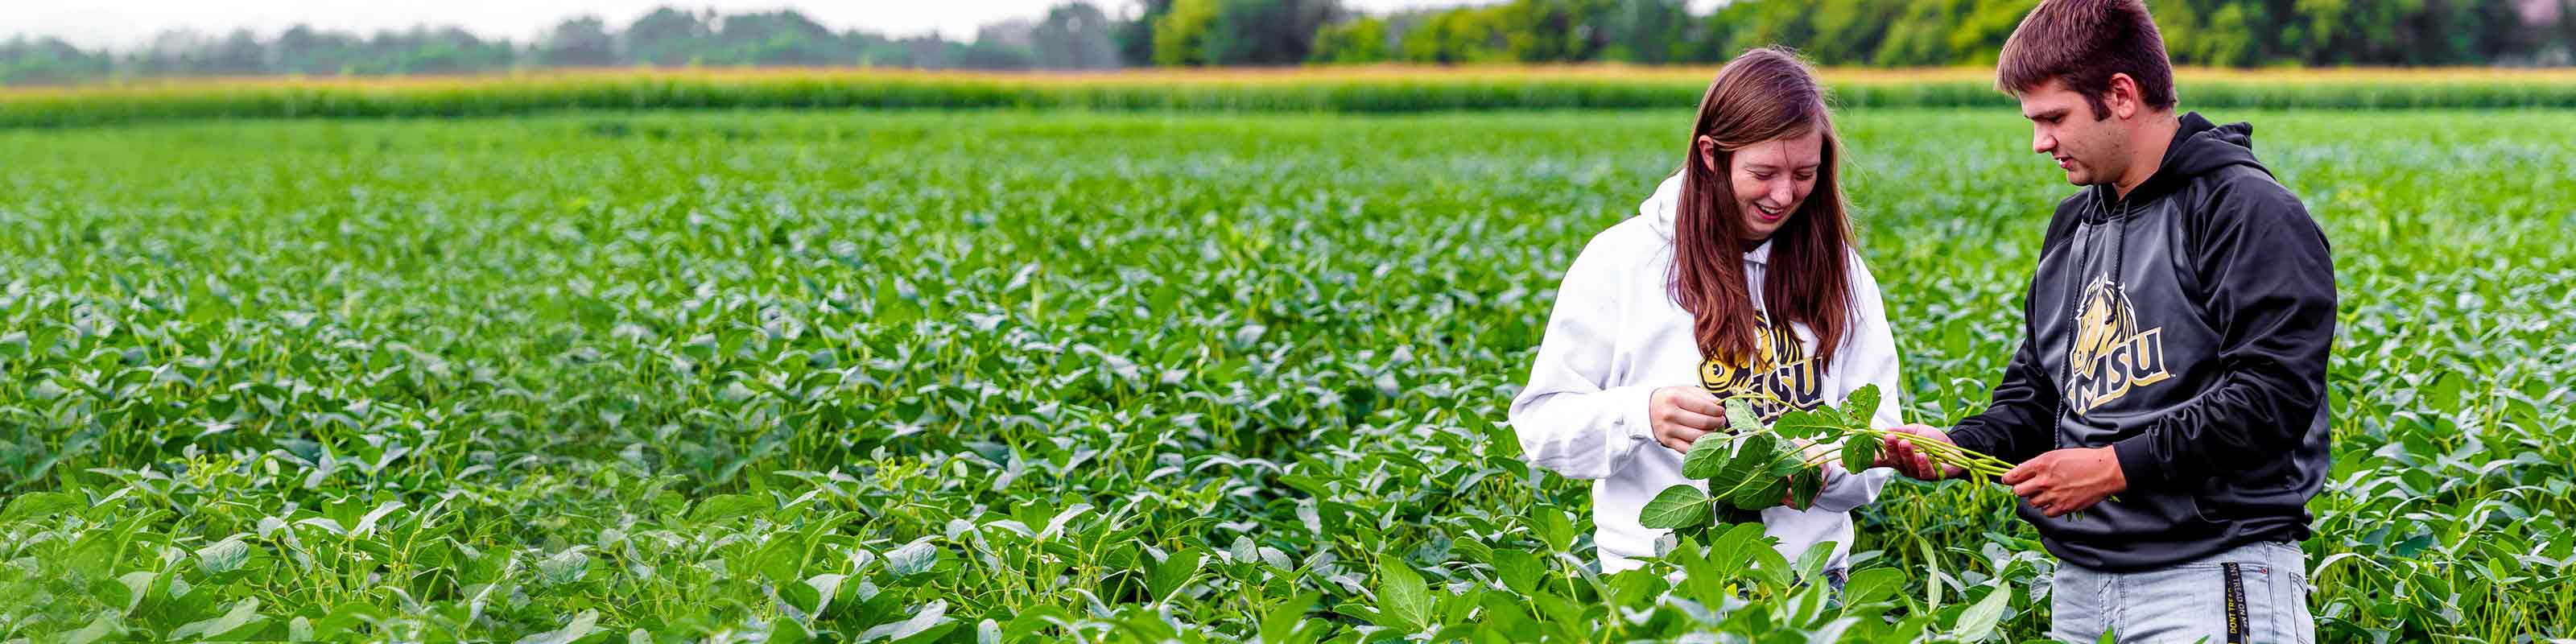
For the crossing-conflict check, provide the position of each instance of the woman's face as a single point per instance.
(1771, 178)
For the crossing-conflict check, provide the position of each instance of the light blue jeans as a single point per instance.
(2256, 593)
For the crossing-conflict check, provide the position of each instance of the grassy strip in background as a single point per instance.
(1391, 89)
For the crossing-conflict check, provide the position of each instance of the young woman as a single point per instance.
(1736, 277)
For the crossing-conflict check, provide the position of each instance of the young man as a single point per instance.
(2174, 355)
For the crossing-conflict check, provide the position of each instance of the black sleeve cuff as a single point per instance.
(2138, 464)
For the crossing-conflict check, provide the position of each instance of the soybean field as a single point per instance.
(1065, 375)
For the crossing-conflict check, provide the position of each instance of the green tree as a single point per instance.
(1847, 32)
(1921, 34)
(302, 49)
(1543, 31)
(1266, 32)
(1754, 23)
(666, 37)
(771, 38)
(1136, 37)
(1181, 33)
(1358, 40)
(1978, 37)
(1649, 31)
(1468, 35)
(49, 61)
(579, 42)
(2212, 32)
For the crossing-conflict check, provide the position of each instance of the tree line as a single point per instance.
(1081, 35)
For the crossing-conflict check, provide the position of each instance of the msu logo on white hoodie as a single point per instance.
(1779, 368)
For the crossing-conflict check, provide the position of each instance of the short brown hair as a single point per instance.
(2081, 43)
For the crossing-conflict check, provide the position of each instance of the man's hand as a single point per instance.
(1900, 454)
(2068, 480)
(1680, 415)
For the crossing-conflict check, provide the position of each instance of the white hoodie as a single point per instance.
(1616, 335)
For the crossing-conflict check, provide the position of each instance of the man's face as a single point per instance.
(2064, 127)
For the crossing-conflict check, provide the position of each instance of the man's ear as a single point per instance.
(2121, 97)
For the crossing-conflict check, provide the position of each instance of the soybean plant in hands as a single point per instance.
(1752, 466)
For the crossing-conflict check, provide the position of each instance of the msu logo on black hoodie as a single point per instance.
(2111, 356)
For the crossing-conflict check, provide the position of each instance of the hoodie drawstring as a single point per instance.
(2075, 302)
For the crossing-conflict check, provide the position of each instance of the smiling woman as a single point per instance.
(1737, 278)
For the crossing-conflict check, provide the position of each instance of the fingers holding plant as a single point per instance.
(1754, 465)
(1680, 415)
(1925, 453)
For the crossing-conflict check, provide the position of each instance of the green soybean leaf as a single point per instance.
(912, 559)
(243, 613)
(1676, 506)
(1788, 460)
(38, 505)
(1174, 571)
(564, 567)
(105, 624)
(1804, 487)
(723, 507)
(1403, 602)
(1748, 467)
(1801, 423)
(1740, 418)
(223, 556)
(1706, 456)
(1284, 618)
(1858, 452)
(1978, 622)
(1764, 496)
(137, 585)
(1872, 584)
(1519, 570)
(1811, 564)
(582, 626)
(931, 619)
(1861, 405)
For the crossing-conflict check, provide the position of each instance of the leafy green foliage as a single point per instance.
(1752, 465)
(1039, 377)
(1676, 506)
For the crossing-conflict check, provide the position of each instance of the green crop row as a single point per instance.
(1312, 93)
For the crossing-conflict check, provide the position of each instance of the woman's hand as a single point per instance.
(1814, 452)
(1680, 415)
(1811, 452)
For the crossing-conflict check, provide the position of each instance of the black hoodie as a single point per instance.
(2196, 315)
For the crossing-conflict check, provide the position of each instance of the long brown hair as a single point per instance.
(1766, 94)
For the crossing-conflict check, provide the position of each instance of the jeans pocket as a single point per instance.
(2223, 600)
(2300, 625)
(2248, 610)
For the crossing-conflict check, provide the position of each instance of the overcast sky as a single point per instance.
(127, 24)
